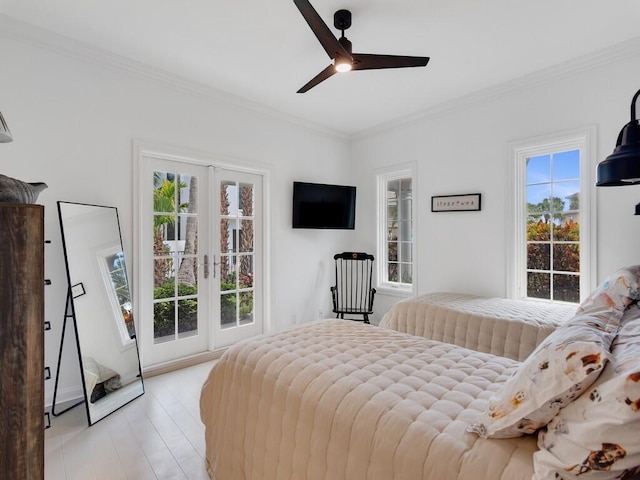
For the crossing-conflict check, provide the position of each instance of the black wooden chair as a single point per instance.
(352, 293)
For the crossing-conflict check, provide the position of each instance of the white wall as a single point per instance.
(464, 149)
(74, 122)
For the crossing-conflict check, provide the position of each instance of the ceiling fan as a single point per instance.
(339, 50)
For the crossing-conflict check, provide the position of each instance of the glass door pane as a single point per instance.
(175, 255)
(237, 242)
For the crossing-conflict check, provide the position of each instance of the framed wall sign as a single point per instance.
(456, 203)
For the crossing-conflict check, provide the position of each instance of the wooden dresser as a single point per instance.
(21, 341)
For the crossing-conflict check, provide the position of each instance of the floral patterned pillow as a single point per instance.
(563, 365)
(597, 436)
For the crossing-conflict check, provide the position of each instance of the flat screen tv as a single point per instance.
(318, 205)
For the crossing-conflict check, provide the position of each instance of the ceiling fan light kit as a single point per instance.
(340, 50)
(342, 65)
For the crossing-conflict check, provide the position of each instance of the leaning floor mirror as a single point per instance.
(99, 301)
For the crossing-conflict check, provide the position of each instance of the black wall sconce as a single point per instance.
(622, 167)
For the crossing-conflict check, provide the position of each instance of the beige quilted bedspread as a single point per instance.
(337, 399)
(509, 328)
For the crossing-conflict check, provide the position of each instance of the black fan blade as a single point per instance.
(365, 61)
(327, 39)
(321, 77)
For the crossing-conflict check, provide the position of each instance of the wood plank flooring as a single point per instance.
(157, 436)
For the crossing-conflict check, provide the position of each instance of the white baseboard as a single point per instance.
(166, 367)
(65, 395)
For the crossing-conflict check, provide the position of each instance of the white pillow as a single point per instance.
(563, 365)
(598, 435)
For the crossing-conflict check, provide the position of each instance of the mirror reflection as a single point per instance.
(101, 307)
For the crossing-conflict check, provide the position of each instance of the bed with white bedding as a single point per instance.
(336, 399)
(505, 327)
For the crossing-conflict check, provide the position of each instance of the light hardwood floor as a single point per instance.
(157, 436)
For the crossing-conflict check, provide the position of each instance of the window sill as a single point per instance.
(394, 291)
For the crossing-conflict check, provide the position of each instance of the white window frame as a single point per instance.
(383, 285)
(126, 342)
(581, 139)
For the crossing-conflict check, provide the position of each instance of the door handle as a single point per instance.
(205, 264)
(215, 264)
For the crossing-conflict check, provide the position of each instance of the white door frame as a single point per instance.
(144, 149)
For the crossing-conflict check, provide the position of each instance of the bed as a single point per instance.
(336, 399)
(505, 327)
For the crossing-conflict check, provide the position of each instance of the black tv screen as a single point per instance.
(318, 205)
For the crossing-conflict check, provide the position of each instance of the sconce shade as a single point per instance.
(622, 167)
(5, 133)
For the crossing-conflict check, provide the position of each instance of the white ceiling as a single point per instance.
(264, 51)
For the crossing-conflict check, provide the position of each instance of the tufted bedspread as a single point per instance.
(505, 327)
(336, 399)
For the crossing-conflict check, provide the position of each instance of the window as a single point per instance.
(396, 267)
(112, 268)
(552, 218)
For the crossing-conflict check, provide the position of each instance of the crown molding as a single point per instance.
(608, 55)
(23, 32)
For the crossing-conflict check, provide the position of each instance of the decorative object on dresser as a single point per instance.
(22, 341)
(99, 303)
(13, 190)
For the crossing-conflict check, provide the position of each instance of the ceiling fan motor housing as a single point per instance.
(348, 46)
(342, 19)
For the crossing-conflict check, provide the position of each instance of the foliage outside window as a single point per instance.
(553, 226)
(396, 226)
(175, 240)
(237, 241)
(552, 243)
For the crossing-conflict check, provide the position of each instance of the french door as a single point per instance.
(238, 264)
(200, 269)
